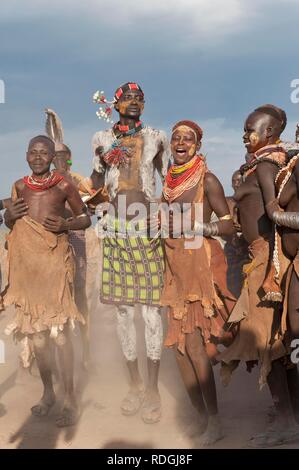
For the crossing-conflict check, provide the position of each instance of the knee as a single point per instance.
(194, 347)
(152, 319)
(39, 341)
(125, 315)
(60, 339)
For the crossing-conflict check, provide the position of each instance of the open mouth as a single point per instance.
(180, 152)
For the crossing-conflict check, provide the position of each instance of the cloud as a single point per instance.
(101, 29)
(224, 149)
(185, 20)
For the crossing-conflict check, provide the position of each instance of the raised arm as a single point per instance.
(98, 175)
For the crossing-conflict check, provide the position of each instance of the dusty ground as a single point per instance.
(242, 407)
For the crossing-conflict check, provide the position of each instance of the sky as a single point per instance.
(206, 60)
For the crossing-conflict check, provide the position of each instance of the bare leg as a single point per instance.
(78, 242)
(69, 414)
(277, 382)
(204, 373)
(151, 409)
(293, 385)
(293, 316)
(42, 352)
(192, 386)
(81, 302)
(127, 335)
(284, 428)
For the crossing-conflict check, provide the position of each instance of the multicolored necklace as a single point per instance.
(124, 130)
(274, 153)
(37, 184)
(181, 178)
(119, 154)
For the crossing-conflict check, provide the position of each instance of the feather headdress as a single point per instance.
(54, 127)
(105, 112)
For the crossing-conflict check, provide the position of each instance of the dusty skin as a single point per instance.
(242, 407)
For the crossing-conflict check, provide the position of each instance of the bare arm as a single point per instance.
(162, 159)
(289, 219)
(16, 208)
(99, 167)
(266, 173)
(97, 179)
(81, 219)
(217, 200)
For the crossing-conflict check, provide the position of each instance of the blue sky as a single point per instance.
(211, 61)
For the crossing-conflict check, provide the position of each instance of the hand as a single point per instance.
(271, 207)
(237, 225)
(171, 228)
(91, 208)
(55, 223)
(16, 209)
(99, 151)
(154, 223)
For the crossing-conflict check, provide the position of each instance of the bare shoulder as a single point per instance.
(266, 167)
(66, 185)
(19, 185)
(211, 181)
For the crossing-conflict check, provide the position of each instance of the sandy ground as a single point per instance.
(242, 406)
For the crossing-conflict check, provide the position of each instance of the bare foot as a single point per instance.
(196, 429)
(202, 424)
(69, 415)
(275, 436)
(151, 408)
(133, 400)
(213, 432)
(44, 405)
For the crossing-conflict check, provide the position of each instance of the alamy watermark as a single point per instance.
(153, 220)
(2, 91)
(295, 93)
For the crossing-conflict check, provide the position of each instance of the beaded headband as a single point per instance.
(105, 112)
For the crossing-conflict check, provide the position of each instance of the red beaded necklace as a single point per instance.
(181, 178)
(43, 184)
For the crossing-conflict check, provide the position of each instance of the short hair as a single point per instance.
(277, 113)
(63, 148)
(67, 149)
(45, 140)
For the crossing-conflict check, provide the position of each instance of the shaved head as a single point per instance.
(44, 140)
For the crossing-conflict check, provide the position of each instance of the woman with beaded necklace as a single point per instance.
(195, 279)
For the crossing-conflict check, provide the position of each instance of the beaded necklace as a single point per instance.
(181, 178)
(37, 184)
(119, 154)
(273, 153)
